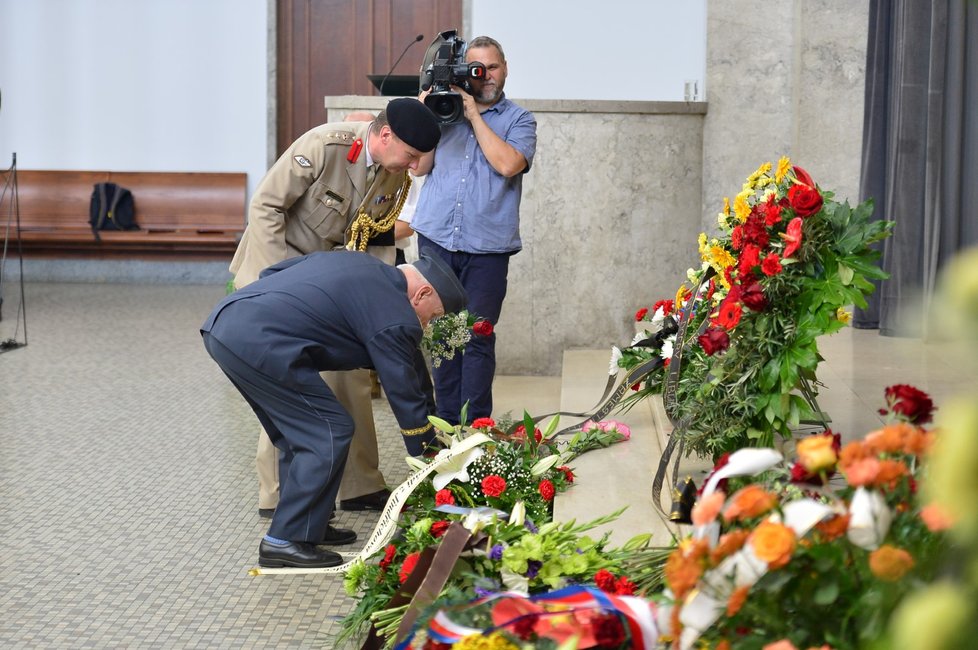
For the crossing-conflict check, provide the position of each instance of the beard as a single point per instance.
(489, 93)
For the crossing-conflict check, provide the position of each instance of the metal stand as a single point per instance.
(9, 197)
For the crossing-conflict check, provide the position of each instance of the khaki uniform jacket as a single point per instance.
(307, 200)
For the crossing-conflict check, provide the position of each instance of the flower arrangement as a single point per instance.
(503, 490)
(774, 546)
(445, 335)
(786, 263)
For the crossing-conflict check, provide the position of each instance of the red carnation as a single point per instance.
(714, 340)
(737, 237)
(408, 565)
(605, 581)
(749, 258)
(483, 423)
(805, 200)
(389, 554)
(624, 587)
(640, 314)
(568, 474)
(772, 212)
(771, 264)
(546, 489)
(911, 403)
(729, 316)
(667, 307)
(753, 296)
(755, 231)
(444, 498)
(493, 485)
(438, 528)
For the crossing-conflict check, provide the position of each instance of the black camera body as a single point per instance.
(444, 67)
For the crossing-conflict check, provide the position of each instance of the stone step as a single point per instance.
(621, 475)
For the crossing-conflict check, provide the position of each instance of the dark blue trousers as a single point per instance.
(313, 432)
(468, 377)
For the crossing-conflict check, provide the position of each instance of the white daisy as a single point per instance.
(613, 367)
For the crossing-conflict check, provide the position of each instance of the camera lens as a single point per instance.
(446, 107)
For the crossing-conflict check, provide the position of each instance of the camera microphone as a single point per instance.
(419, 37)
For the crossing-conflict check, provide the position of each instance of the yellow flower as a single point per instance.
(726, 206)
(720, 258)
(843, 316)
(680, 292)
(815, 453)
(890, 563)
(784, 165)
(494, 641)
(741, 209)
(701, 242)
(762, 170)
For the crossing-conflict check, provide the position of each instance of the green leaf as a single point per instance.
(440, 424)
(551, 427)
(845, 273)
(827, 593)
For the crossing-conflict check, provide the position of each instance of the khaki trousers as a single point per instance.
(362, 474)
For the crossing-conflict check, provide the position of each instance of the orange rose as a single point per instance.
(783, 644)
(861, 472)
(936, 518)
(728, 544)
(774, 543)
(749, 502)
(682, 572)
(723, 644)
(815, 453)
(706, 510)
(852, 452)
(890, 473)
(737, 600)
(890, 563)
(834, 528)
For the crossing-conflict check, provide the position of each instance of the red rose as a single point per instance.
(444, 497)
(438, 528)
(482, 328)
(771, 264)
(546, 489)
(793, 237)
(568, 474)
(493, 485)
(605, 581)
(483, 423)
(729, 316)
(640, 314)
(805, 200)
(753, 296)
(408, 565)
(714, 340)
(913, 404)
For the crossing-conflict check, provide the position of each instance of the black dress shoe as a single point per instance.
(296, 554)
(373, 501)
(266, 513)
(338, 536)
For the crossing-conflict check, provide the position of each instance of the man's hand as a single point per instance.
(469, 106)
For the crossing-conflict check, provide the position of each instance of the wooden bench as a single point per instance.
(185, 214)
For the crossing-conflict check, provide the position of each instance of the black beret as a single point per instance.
(414, 123)
(441, 277)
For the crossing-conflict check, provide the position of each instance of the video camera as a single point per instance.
(444, 66)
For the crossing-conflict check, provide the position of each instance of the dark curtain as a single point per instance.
(920, 150)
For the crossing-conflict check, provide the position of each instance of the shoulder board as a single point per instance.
(339, 137)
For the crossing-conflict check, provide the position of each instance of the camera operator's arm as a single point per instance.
(503, 157)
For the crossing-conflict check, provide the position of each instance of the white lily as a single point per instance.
(869, 519)
(518, 515)
(544, 465)
(743, 462)
(415, 464)
(456, 468)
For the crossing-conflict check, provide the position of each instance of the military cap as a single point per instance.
(441, 277)
(414, 123)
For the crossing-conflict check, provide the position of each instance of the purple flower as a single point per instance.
(530, 527)
(533, 568)
(482, 593)
(496, 552)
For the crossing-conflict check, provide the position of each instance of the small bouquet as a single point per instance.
(452, 332)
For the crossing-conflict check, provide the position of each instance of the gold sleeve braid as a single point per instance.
(363, 226)
(416, 432)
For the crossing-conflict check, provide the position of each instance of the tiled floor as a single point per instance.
(127, 494)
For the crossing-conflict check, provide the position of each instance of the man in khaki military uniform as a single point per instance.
(339, 184)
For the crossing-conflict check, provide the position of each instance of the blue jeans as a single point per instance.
(468, 377)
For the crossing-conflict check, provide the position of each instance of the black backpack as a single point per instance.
(112, 208)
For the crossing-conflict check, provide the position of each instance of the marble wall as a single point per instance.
(620, 190)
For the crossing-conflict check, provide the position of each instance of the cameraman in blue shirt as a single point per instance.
(469, 215)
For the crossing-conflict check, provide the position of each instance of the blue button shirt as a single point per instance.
(465, 204)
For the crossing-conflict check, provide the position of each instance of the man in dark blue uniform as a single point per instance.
(327, 311)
